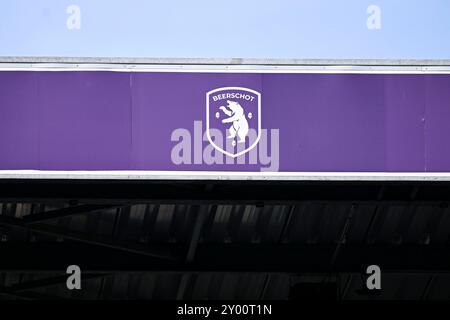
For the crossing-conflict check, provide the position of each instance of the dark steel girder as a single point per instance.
(93, 240)
(229, 258)
(65, 212)
(216, 192)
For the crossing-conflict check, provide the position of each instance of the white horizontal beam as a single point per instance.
(221, 176)
(231, 68)
(225, 61)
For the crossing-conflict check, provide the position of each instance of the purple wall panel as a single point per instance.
(90, 120)
(328, 123)
(163, 102)
(85, 122)
(437, 123)
(404, 101)
(19, 121)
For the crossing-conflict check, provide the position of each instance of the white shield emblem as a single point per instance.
(234, 113)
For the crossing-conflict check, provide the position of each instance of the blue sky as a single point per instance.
(311, 29)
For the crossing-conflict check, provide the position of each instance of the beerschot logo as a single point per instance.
(234, 111)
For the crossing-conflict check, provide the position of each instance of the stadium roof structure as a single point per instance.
(198, 240)
(196, 237)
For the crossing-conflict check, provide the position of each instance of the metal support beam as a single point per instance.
(94, 240)
(224, 192)
(342, 237)
(29, 285)
(64, 212)
(198, 227)
(314, 259)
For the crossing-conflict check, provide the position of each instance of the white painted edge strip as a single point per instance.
(224, 61)
(221, 176)
(226, 68)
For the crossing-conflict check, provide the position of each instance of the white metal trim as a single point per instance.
(220, 176)
(231, 68)
(223, 61)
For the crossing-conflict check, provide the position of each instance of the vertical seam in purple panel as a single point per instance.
(130, 157)
(425, 140)
(387, 141)
(38, 111)
(262, 76)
